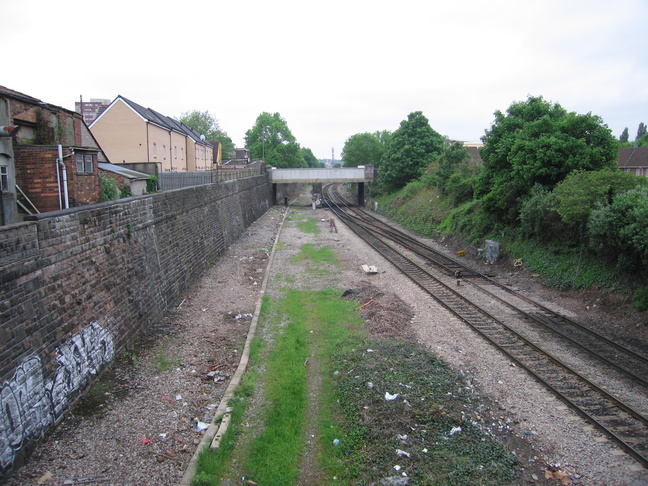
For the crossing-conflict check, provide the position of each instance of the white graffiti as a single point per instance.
(30, 404)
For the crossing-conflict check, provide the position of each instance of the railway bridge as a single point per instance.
(317, 177)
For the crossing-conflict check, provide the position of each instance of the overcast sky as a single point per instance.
(336, 68)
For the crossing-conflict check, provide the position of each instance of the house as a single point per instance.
(130, 133)
(49, 161)
(241, 158)
(634, 160)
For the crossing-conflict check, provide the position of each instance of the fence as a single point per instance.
(178, 180)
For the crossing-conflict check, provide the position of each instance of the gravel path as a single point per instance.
(139, 426)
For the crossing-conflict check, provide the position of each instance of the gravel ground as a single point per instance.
(139, 424)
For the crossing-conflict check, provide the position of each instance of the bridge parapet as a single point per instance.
(305, 176)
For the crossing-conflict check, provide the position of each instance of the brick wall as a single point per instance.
(36, 176)
(78, 285)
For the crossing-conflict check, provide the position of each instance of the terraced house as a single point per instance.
(130, 133)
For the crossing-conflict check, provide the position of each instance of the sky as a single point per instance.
(336, 68)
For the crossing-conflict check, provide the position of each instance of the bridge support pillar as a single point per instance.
(361, 194)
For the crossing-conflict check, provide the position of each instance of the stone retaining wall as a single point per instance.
(78, 285)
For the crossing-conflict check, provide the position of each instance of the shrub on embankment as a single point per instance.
(545, 184)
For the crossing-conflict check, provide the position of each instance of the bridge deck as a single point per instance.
(315, 176)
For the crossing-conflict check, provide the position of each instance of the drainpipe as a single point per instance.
(60, 162)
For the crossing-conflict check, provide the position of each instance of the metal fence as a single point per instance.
(177, 180)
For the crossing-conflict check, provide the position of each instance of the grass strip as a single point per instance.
(407, 417)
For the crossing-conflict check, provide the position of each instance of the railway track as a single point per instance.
(530, 339)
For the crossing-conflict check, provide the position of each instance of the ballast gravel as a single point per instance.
(141, 423)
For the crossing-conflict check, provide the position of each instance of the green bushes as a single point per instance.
(619, 230)
(640, 299)
(108, 187)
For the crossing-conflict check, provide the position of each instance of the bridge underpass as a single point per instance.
(317, 177)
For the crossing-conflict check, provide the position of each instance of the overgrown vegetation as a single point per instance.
(404, 417)
(547, 187)
(108, 187)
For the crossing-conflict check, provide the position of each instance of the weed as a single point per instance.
(319, 256)
(164, 363)
(640, 299)
(420, 421)
(309, 226)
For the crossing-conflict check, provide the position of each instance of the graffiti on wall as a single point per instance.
(31, 404)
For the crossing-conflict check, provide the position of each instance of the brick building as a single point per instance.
(54, 159)
(91, 109)
(634, 160)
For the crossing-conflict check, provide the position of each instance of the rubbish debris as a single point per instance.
(336, 442)
(44, 478)
(365, 304)
(145, 440)
(389, 397)
(200, 426)
(350, 292)
(402, 453)
(369, 269)
(455, 430)
(394, 480)
(332, 226)
(558, 475)
(216, 376)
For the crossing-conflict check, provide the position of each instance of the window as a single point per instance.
(4, 178)
(155, 150)
(84, 163)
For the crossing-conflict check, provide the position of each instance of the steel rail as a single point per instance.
(624, 360)
(626, 426)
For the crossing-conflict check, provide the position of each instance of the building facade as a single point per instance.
(54, 159)
(130, 133)
(91, 109)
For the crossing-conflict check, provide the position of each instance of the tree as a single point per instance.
(642, 141)
(537, 142)
(204, 123)
(271, 139)
(362, 149)
(412, 147)
(641, 131)
(624, 136)
(310, 159)
(449, 160)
